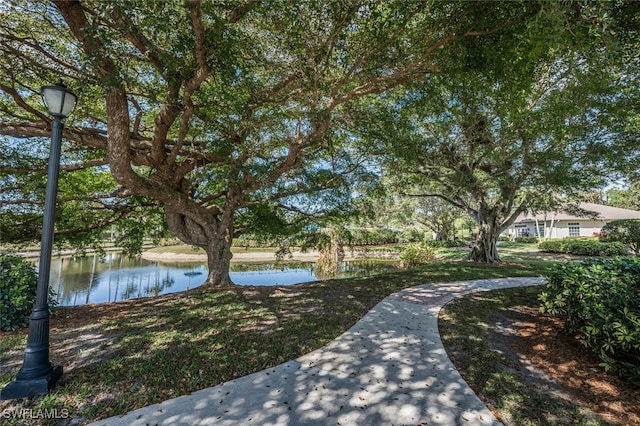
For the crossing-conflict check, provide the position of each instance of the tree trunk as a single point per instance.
(213, 235)
(218, 262)
(485, 248)
(442, 234)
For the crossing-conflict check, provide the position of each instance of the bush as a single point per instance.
(624, 231)
(552, 246)
(584, 247)
(416, 254)
(526, 240)
(446, 243)
(599, 299)
(596, 248)
(18, 282)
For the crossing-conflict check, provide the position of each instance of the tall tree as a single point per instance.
(521, 117)
(626, 198)
(216, 110)
(437, 215)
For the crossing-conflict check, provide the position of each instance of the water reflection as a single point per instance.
(116, 277)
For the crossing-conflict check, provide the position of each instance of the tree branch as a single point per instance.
(18, 99)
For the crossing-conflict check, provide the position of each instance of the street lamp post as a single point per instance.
(37, 375)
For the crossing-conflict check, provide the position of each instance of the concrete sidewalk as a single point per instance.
(390, 368)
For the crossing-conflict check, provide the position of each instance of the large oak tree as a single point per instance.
(525, 116)
(223, 110)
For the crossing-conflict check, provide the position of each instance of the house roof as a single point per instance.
(591, 210)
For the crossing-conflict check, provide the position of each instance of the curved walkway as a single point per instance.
(389, 368)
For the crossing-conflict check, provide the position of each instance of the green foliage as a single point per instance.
(369, 236)
(584, 247)
(416, 254)
(600, 300)
(625, 231)
(526, 240)
(410, 235)
(87, 210)
(552, 246)
(18, 281)
(446, 243)
(437, 215)
(505, 124)
(144, 221)
(626, 198)
(263, 225)
(20, 227)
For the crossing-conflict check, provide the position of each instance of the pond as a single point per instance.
(115, 277)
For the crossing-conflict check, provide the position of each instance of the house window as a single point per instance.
(540, 231)
(522, 230)
(574, 229)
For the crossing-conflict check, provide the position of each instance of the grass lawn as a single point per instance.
(122, 356)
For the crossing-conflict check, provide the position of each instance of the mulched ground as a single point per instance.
(556, 362)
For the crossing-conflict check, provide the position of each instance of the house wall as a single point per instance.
(587, 228)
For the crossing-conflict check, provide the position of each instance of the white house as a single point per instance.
(587, 222)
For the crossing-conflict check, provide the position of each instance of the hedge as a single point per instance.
(599, 300)
(526, 240)
(446, 243)
(584, 247)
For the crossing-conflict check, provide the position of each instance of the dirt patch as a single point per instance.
(555, 362)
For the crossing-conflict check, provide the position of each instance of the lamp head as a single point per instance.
(59, 101)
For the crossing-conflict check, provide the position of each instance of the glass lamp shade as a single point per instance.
(59, 100)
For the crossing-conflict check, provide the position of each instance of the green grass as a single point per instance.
(159, 348)
(464, 328)
(11, 341)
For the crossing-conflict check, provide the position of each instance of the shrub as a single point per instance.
(552, 246)
(526, 240)
(625, 231)
(416, 254)
(599, 299)
(446, 243)
(18, 282)
(584, 247)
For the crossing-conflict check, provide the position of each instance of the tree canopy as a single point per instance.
(237, 116)
(215, 109)
(523, 119)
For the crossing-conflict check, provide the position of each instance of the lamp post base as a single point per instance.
(32, 387)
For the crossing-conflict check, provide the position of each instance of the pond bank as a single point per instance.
(168, 254)
(249, 256)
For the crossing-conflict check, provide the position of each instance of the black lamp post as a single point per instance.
(37, 375)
